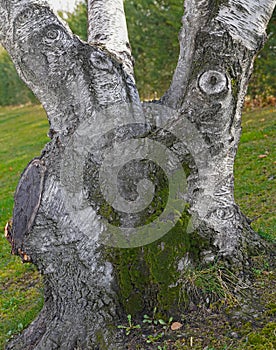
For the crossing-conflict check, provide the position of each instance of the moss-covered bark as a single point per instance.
(150, 276)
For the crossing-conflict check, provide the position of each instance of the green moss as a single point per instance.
(271, 309)
(148, 276)
(265, 339)
(101, 341)
(109, 213)
(235, 88)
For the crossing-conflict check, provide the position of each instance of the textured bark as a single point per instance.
(218, 45)
(107, 28)
(90, 286)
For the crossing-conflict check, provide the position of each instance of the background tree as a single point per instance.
(153, 29)
(67, 218)
(151, 22)
(12, 90)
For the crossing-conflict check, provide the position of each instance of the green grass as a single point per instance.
(255, 177)
(23, 133)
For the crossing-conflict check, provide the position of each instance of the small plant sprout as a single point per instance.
(154, 338)
(162, 347)
(159, 327)
(155, 322)
(130, 326)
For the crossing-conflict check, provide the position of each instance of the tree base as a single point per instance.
(78, 314)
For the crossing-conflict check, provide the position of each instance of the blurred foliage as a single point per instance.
(153, 31)
(12, 89)
(77, 20)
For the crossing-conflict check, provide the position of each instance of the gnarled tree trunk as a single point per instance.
(126, 196)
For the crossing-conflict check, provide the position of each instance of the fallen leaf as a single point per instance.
(175, 326)
(262, 156)
(267, 273)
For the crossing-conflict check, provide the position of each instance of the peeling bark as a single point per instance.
(94, 112)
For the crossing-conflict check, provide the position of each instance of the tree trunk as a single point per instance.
(127, 197)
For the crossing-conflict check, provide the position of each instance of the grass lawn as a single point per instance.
(23, 133)
(255, 170)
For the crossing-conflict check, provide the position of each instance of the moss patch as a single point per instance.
(149, 276)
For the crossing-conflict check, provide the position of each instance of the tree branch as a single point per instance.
(29, 30)
(69, 77)
(107, 28)
(218, 44)
(245, 21)
(36, 40)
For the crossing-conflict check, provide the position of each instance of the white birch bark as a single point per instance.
(107, 28)
(84, 300)
(218, 45)
(246, 22)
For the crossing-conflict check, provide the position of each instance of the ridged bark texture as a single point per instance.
(91, 286)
